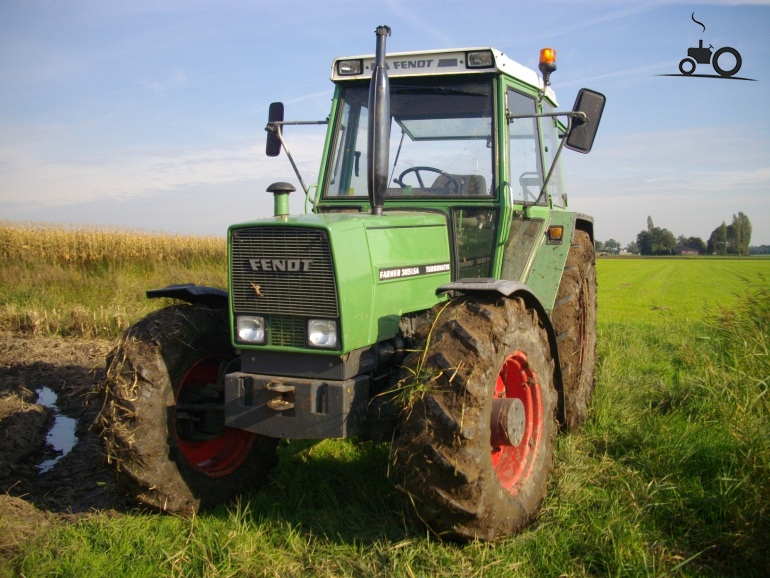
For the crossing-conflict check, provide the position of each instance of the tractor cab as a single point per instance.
(447, 128)
(471, 134)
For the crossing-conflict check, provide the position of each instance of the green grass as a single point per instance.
(671, 476)
(663, 291)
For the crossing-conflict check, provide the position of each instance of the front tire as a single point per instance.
(476, 444)
(170, 450)
(687, 66)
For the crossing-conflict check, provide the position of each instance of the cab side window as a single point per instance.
(553, 131)
(526, 167)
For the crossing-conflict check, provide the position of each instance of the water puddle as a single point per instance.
(62, 436)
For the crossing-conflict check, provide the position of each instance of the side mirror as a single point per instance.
(275, 114)
(584, 126)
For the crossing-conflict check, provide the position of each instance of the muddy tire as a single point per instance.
(166, 456)
(475, 449)
(574, 320)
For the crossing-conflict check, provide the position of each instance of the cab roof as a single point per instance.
(439, 62)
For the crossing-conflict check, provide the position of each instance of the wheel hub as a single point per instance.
(509, 421)
(205, 443)
(516, 421)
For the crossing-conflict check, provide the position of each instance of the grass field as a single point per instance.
(664, 291)
(671, 476)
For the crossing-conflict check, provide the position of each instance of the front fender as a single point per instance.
(193, 294)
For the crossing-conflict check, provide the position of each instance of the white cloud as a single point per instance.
(28, 178)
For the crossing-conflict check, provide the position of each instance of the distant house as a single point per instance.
(686, 250)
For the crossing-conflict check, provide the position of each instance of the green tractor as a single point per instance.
(440, 295)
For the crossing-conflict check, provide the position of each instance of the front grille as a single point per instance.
(287, 331)
(283, 273)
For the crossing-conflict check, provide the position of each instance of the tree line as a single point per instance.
(732, 239)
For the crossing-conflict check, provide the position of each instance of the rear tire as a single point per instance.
(464, 480)
(574, 320)
(168, 458)
(736, 67)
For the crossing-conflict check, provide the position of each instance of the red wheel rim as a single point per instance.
(517, 381)
(221, 455)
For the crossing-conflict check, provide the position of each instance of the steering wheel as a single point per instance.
(453, 183)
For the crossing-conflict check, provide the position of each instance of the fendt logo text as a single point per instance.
(281, 265)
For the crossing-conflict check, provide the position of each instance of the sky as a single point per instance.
(150, 115)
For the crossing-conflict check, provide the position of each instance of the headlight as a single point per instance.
(251, 329)
(479, 59)
(322, 333)
(350, 67)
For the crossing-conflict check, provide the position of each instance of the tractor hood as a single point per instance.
(357, 270)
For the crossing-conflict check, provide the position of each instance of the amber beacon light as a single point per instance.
(547, 64)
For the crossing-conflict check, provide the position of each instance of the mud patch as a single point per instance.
(78, 481)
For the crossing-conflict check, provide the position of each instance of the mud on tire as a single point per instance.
(161, 361)
(462, 481)
(574, 320)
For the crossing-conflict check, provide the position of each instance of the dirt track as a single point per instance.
(79, 482)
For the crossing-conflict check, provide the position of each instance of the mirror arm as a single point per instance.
(285, 122)
(579, 117)
(275, 127)
(573, 117)
(557, 155)
(576, 114)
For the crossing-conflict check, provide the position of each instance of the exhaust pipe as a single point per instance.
(379, 126)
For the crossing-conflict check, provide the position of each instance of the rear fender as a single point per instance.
(584, 223)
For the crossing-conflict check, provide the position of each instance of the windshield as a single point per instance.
(440, 140)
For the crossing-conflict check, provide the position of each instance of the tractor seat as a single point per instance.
(470, 185)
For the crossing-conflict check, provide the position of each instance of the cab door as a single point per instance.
(525, 177)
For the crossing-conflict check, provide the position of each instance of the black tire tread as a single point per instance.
(575, 307)
(151, 356)
(452, 485)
